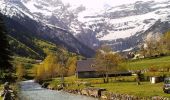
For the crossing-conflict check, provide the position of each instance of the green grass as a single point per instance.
(22, 49)
(0, 91)
(17, 59)
(162, 62)
(146, 89)
(45, 45)
(122, 85)
(127, 85)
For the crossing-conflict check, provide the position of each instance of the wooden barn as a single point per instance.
(85, 69)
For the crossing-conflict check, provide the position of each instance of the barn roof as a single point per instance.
(85, 65)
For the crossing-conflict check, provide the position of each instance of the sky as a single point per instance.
(99, 4)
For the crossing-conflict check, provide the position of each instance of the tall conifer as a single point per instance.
(4, 48)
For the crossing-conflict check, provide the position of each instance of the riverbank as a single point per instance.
(105, 95)
(119, 86)
(13, 89)
(101, 94)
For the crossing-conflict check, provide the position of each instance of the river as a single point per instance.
(33, 91)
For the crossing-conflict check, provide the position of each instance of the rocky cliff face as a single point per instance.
(123, 27)
(22, 22)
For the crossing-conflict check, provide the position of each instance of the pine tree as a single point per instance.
(4, 48)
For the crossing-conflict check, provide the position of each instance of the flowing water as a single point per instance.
(33, 91)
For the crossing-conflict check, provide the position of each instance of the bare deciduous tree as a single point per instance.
(107, 61)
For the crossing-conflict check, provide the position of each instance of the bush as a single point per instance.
(20, 71)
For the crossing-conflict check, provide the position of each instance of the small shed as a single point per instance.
(156, 79)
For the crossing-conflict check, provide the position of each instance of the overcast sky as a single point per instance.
(100, 3)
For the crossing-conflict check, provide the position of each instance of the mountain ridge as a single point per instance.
(123, 27)
(37, 29)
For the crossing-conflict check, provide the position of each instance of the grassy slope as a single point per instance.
(29, 62)
(161, 62)
(21, 49)
(44, 45)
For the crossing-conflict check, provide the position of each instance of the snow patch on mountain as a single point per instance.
(129, 26)
(92, 26)
(35, 8)
(12, 8)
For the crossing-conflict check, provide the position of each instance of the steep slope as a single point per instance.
(22, 23)
(126, 26)
(20, 49)
(123, 27)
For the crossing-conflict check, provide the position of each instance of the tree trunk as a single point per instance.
(107, 77)
(104, 78)
(62, 80)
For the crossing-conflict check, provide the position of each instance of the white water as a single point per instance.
(33, 91)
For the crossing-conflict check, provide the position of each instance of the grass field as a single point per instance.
(127, 86)
(162, 62)
(146, 89)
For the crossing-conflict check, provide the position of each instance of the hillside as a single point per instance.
(22, 50)
(28, 57)
(22, 24)
(25, 42)
(148, 63)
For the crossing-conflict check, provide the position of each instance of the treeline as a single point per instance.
(5, 54)
(154, 47)
(55, 65)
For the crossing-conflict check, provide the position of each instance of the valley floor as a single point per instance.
(146, 89)
(121, 85)
(125, 85)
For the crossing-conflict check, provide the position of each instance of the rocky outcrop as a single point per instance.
(92, 92)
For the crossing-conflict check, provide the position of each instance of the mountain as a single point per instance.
(24, 26)
(80, 28)
(125, 27)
